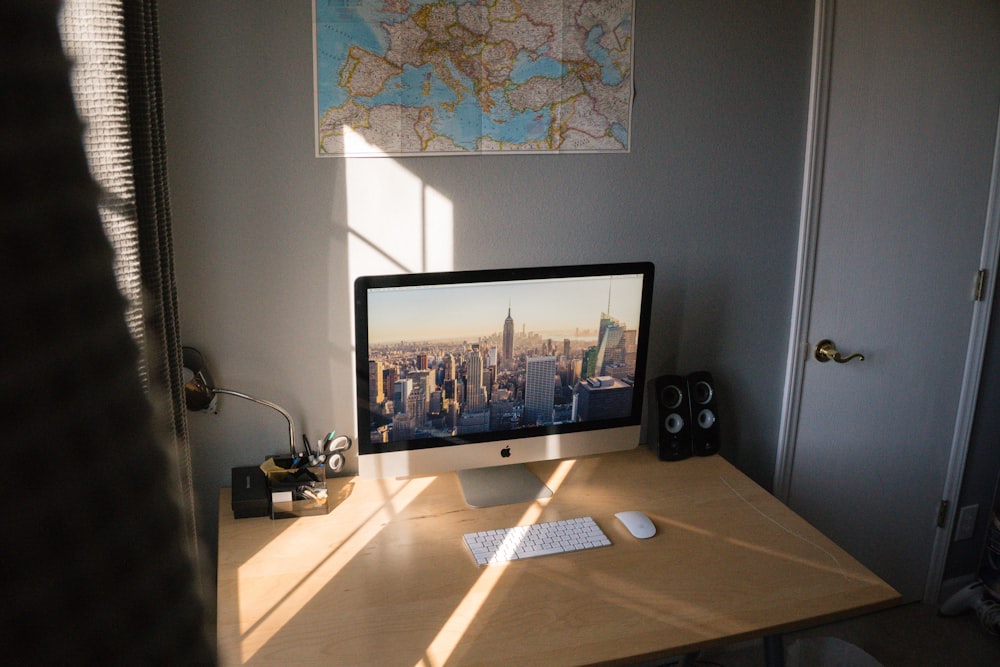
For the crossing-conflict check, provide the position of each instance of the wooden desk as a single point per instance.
(385, 578)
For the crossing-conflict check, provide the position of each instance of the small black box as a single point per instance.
(250, 496)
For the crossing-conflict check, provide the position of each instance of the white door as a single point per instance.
(911, 130)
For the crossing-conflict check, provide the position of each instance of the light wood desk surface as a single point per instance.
(385, 578)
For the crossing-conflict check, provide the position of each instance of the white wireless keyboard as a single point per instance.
(538, 539)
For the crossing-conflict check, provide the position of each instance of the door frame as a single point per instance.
(798, 343)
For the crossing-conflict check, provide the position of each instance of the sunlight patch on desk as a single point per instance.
(833, 563)
(451, 633)
(835, 567)
(391, 553)
(559, 475)
(674, 612)
(318, 567)
(812, 543)
(761, 531)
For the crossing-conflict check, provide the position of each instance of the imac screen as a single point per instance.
(450, 360)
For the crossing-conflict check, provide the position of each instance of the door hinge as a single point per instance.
(980, 285)
(942, 516)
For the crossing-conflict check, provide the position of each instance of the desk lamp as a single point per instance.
(200, 392)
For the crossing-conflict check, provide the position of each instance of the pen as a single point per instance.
(326, 440)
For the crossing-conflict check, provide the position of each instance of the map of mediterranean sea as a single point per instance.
(469, 77)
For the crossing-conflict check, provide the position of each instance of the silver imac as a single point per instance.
(482, 371)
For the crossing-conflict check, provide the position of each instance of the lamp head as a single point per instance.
(199, 388)
(200, 392)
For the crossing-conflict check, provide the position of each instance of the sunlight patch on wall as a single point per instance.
(439, 231)
(384, 214)
(396, 223)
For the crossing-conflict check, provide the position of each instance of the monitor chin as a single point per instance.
(412, 463)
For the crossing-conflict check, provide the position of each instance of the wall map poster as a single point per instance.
(472, 77)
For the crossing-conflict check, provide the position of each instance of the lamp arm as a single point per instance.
(284, 413)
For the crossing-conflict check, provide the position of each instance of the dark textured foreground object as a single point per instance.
(94, 567)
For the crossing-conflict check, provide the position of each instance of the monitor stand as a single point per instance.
(501, 485)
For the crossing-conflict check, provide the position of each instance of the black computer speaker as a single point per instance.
(704, 413)
(668, 432)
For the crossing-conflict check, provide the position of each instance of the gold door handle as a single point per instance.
(827, 351)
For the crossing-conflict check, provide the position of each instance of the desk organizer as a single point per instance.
(296, 491)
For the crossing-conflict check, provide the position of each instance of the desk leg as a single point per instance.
(774, 651)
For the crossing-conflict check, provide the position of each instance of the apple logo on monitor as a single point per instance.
(505, 452)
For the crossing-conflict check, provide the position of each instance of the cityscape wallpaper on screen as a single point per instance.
(455, 360)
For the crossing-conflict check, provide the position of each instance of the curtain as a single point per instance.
(97, 565)
(116, 83)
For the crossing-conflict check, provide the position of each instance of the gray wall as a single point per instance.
(710, 193)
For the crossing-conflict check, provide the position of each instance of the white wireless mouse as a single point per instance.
(637, 523)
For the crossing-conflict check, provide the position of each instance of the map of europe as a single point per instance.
(470, 77)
